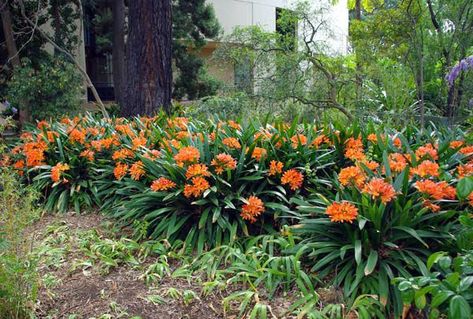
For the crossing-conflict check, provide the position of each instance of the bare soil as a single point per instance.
(121, 293)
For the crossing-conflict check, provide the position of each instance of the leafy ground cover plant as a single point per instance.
(446, 289)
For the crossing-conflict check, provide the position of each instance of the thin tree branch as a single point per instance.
(70, 56)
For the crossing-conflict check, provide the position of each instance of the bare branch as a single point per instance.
(70, 56)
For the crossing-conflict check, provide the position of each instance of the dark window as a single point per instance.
(98, 51)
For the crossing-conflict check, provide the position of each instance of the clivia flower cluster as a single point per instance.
(169, 157)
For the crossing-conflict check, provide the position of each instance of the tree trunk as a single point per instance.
(13, 56)
(118, 49)
(148, 58)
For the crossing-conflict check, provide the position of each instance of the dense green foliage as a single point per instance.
(49, 89)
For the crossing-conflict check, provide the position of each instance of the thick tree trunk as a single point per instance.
(118, 49)
(148, 59)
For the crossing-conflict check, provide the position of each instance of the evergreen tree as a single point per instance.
(193, 23)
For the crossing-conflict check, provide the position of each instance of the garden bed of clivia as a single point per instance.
(372, 200)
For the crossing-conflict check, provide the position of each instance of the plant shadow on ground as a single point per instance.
(87, 271)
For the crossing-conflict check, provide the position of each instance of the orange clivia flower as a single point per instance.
(465, 170)
(77, 135)
(275, 167)
(42, 125)
(195, 170)
(57, 170)
(196, 188)
(137, 170)
(354, 149)
(431, 206)
(398, 162)
(232, 143)
(125, 129)
(427, 168)
(19, 166)
(378, 188)
(467, 150)
(355, 154)
(234, 125)
(354, 143)
(120, 170)
(152, 154)
(292, 177)
(298, 139)
(88, 154)
(138, 142)
(352, 175)
(123, 153)
(372, 138)
(26, 136)
(438, 191)
(372, 165)
(258, 153)
(470, 199)
(252, 209)
(34, 153)
(212, 136)
(162, 184)
(93, 131)
(319, 140)
(223, 162)
(427, 150)
(397, 142)
(187, 155)
(178, 123)
(456, 144)
(183, 135)
(51, 136)
(97, 145)
(108, 142)
(342, 212)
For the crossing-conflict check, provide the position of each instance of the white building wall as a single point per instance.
(233, 13)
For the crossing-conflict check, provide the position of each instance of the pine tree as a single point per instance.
(193, 23)
(148, 58)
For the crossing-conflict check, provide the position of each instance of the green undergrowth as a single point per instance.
(18, 276)
(249, 274)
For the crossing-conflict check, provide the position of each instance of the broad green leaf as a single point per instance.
(459, 308)
(371, 263)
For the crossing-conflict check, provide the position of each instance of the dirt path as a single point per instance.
(77, 284)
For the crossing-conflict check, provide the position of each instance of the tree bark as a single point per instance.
(148, 58)
(13, 56)
(118, 49)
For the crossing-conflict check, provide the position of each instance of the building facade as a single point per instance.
(231, 14)
(264, 13)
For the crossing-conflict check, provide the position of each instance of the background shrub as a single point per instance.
(49, 89)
